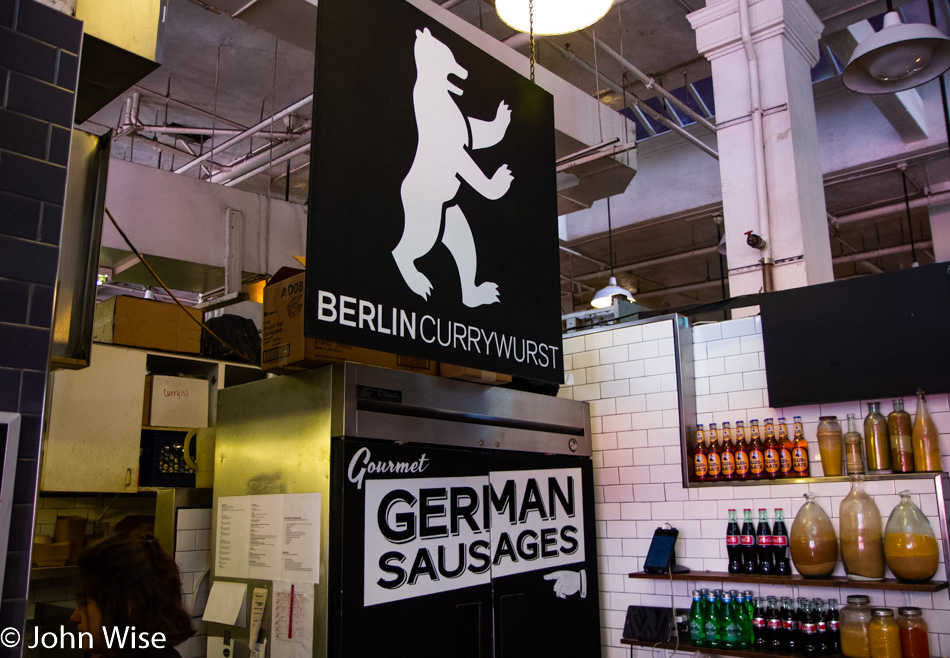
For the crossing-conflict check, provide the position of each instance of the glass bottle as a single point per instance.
(862, 537)
(901, 430)
(700, 462)
(789, 642)
(853, 449)
(773, 620)
(809, 630)
(926, 443)
(915, 639)
(780, 545)
(712, 455)
(829, 438)
(760, 640)
(800, 459)
(833, 620)
(742, 452)
(909, 544)
(727, 455)
(884, 635)
(751, 616)
(812, 542)
(855, 618)
(696, 622)
(732, 543)
(785, 447)
(756, 451)
(731, 631)
(773, 466)
(747, 541)
(877, 444)
(763, 543)
(713, 619)
(824, 644)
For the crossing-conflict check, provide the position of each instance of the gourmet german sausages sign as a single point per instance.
(432, 226)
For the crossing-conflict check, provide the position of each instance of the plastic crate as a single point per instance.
(162, 459)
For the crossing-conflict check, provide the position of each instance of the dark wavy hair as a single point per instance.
(134, 582)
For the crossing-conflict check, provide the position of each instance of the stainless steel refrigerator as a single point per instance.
(457, 519)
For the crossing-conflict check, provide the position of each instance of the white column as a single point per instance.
(784, 37)
(940, 231)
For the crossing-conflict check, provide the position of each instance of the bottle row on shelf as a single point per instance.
(761, 549)
(758, 456)
(738, 620)
(891, 444)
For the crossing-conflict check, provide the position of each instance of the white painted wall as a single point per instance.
(625, 375)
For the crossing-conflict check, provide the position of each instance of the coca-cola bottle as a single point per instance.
(783, 566)
(732, 544)
(774, 622)
(747, 542)
(809, 630)
(763, 543)
(834, 628)
(760, 640)
(789, 626)
(824, 646)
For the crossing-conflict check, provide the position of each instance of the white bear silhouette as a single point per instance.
(441, 160)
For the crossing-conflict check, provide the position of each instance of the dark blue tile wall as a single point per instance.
(39, 50)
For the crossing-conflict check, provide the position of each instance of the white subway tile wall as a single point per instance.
(193, 555)
(638, 474)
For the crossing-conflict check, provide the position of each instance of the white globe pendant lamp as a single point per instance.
(605, 296)
(551, 17)
(901, 56)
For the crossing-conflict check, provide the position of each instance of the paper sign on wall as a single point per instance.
(273, 537)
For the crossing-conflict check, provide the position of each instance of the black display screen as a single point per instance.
(867, 338)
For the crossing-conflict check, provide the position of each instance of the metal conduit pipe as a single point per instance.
(651, 83)
(300, 150)
(919, 202)
(247, 133)
(758, 145)
(222, 132)
(263, 159)
(192, 108)
(878, 253)
(689, 287)
(662, 260)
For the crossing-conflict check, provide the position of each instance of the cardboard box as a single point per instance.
(146, 323)
(285, 349)
(473, 375)
(175, 402)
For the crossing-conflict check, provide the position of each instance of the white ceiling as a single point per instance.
(220, 72)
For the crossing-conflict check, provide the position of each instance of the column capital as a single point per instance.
(718, 33)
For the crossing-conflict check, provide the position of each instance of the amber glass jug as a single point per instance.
(910, 547)
(812, 541)
(862, 537)
(926, 442)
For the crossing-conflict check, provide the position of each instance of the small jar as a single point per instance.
(853, 449)
(855, 619)
(884, 636)
(829, 444)
(915, 638)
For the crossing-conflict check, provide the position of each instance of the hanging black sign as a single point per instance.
(433, 223)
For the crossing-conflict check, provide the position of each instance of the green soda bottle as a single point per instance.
(712, 619)
(748, 631)
(697, 630)
(731, 634)
(742, 617)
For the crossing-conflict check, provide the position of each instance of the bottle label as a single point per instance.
(771, 461)
(790, 624)
(775, 624)
(785, 460)
(700, 465)
(779, 540)
(756, 462)
(833, 625)
(728, 464)
(715, 466)
(765, 540)
(732, 540)
(758, 622)
(742, 462)
(809, 628)
(800, 459)
(747, 540)
(732, 632)
(822, 627)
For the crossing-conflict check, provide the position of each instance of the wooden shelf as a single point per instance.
(65, 571)
(685, 647)
(797, 581)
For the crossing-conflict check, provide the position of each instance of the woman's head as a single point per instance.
(129, 580)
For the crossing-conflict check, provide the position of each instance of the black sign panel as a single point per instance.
(433, 223)
(445, 551)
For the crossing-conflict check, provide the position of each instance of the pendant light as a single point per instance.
(901, 56)
(551, 17)
(605, 296)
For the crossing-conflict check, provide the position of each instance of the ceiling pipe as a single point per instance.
(171, 101)
(758, 145)
(878, 253)
(262, 160)
(689, 287)
(247, 133)
(873, 213)
(300, 150)
(220, 132)
(662, 260)
(650, 83)
(574, 59)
